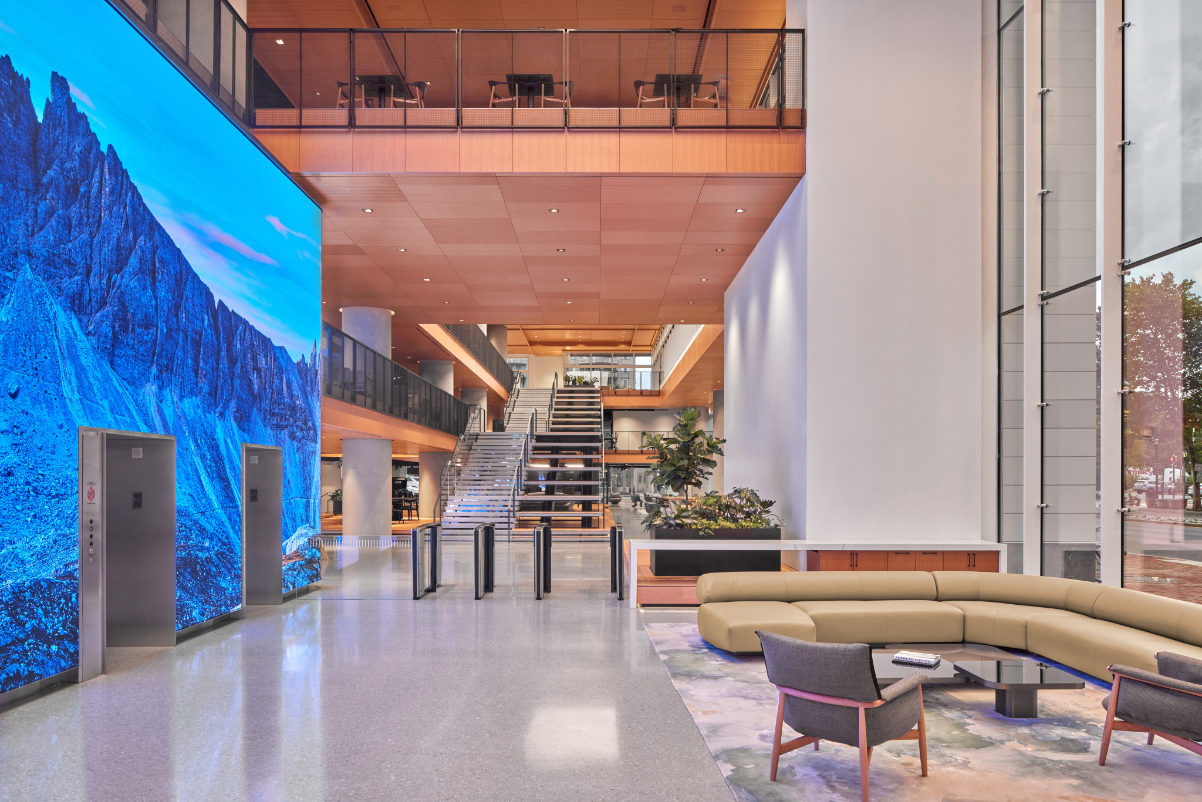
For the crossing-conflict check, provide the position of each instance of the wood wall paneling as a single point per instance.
(540, 151)
(432, 151)
(486, 151)
(645, 151)
(751, 151)
(326, 151)
(284, 145)
(592, 151)
(699, 151)
(378, 151)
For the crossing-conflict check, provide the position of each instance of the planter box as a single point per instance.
(696, 563)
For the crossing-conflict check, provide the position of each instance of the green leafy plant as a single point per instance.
(742, 508)
(336, 495)
(578, 381)
(685, 457)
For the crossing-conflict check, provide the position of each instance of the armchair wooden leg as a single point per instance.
(865, 756)
(780, 723)
(922, 733)
(1114, 702)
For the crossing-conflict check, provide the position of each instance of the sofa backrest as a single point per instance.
(1036, 591)
(1170, 618)
(792, 586)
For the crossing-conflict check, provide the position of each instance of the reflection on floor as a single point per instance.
(355, 692)
(974, 752)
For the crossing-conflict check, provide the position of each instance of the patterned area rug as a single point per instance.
(974, 753)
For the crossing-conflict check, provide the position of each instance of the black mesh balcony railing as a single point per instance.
(352, 372)
(207, 39)
(529, 78)
(475, 341)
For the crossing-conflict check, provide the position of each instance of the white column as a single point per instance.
(1109, 252)
(429, 475)
(366, 487)
(439, 372)
(1032, 284)
(498, 335)
(719, 479)
(477, 397)
(370, 326)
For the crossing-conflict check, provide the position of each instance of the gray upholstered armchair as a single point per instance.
(828, 692)
(1168, 704)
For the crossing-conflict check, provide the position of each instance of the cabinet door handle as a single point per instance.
(855, 559)
(972, 560)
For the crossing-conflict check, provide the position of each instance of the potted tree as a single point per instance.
(683, 460)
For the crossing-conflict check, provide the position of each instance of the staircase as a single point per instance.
(565, 465)
(480, 483)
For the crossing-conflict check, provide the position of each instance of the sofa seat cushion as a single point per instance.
(904, 621)
(1090, 645)
(1002, 625)
(732, 625)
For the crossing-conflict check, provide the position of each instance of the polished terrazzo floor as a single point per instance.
(356, 692)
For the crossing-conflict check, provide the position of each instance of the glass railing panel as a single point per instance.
(200, 39)
(594, 70)
(645, 72)
(172, 24)
(701, 72)
(226, 73)
(431, 60)
(277, 78)
(513, 79)
(325, 78)
(475, 341)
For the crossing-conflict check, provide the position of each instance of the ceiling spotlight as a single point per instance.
(690, 303)
(559, 250)
(279, 41)
(426, 279)
(719, 250)
(569, 301)
(460, 320)
(324, 303)
(367, 210)
(340, 309)
(571, 320)
(391, 312)
(704, 279)
(402, 250)
(446, 302)
(563, 279)
(739, 211)
(317, 93)
(553, 211)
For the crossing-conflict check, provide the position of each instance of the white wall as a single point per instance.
(543, 370)
(654, 420)
(861, 412)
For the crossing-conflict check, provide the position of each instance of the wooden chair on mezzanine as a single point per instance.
(829, 692)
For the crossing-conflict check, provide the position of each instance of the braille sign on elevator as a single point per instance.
(137, 500)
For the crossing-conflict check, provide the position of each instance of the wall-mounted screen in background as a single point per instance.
(157, 273)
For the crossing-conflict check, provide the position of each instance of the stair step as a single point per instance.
(528, 514)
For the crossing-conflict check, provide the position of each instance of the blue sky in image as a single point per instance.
(245, 227)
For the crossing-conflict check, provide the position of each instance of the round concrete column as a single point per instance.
(476, 397)
(370, 326)
(498, 335)
(439, 372)
(366, 488)
(429, 475)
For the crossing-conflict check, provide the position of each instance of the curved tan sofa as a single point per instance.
(1083, 625)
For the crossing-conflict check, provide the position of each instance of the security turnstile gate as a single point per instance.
(542, 560)
(616, 549)
(485, 541)
(425, 542)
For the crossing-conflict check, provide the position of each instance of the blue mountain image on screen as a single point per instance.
(104, 323)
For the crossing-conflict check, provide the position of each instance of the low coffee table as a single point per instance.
(1017, 683)
(888, 672)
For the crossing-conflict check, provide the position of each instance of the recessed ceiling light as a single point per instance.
(317, 93)
(719, 250)
(559, 250)
(553, 211)
(279, 41)
(682, 320)
(402, 250)
(367, 210)
(460, 320)
(426, 279)
(446, 302)
(704, 279)
(569, 301)
(690, 303)
(740, 211)
(324, 303)
(391, 312)
(563, 279)
(340, 309)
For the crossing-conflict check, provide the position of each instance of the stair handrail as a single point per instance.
(513, 397)
(440, 504)
(519, 487)
(551, 405)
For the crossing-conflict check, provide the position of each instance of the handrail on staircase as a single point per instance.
(442, 482)
(513, 397)
(551, 406)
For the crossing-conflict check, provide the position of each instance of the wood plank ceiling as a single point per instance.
(487, 248)
(516, 13)
(552, 340)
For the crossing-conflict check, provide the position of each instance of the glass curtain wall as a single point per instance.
(1071, 355)
(1162, 309)
(1010, 280)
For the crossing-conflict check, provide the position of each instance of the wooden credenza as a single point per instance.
(881, 560)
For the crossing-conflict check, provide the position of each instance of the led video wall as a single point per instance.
(157, 273)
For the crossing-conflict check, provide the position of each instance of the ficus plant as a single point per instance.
(684, 458)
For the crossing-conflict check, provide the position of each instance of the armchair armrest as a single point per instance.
(1159, 680)
(891, 692)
